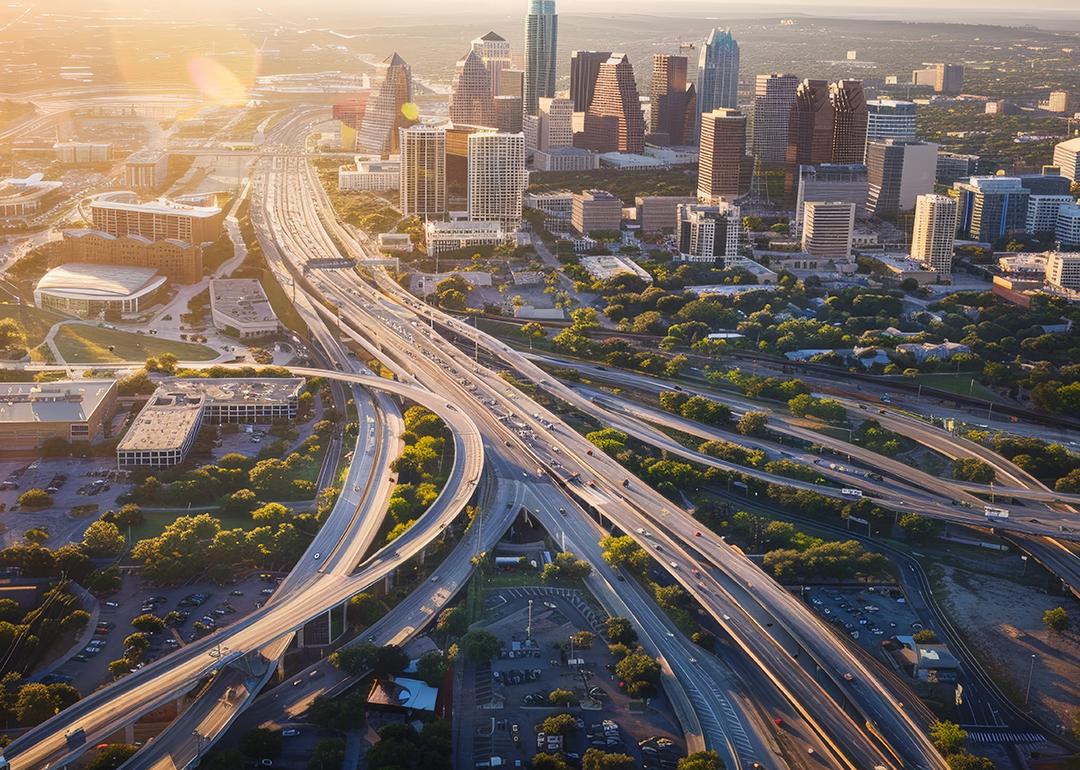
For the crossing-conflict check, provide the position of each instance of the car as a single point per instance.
(515, 727)
(725, 616)
(290, 732)
(318, 555)
(848, 676)
(266, 762)
(236, 593)
(297, 682)
(111, 604)
(434, 578)
(698, 533)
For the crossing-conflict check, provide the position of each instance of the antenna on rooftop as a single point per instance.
(759, 187)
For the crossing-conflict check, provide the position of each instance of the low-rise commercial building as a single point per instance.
(82, 153)
(163, 432)
(656, 213)
(607, 266)
(828, 228)
(98, 291)
(146, 169)
(1063, 269)
(239, 307)
(121, 214)
(442, 237)
(243, 400)
(565, 159)
(593, 210)
(1067, 227)
(25, 197)
(373, 175)
(32, 412)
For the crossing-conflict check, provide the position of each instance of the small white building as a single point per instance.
(371, 175)
(610, 265)
(442, 237)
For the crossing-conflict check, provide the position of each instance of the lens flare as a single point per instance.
(216, 81)
(410, 111)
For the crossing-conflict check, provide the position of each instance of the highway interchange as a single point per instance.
(511, 452)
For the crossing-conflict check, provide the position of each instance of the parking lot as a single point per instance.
(530, 665)
(218, 607)
(77, 482)
(869, 615)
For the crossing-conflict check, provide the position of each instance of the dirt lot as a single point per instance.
(1003, 623)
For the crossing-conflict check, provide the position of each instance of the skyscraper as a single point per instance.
(827, 125)
(497, 178)
(387, 111)
(991, 207)
(613, 122)
(423, 171)
(723, 147)
(471, 95)
(494, 51)
(774, 95)
(673, 104)
(890, 119)
(898, 171)
(1067, 158)
(934, 234)
(718, 72)
(508, 114)
(709, 233)
(541, 35)
(584, 67)
(554, 124)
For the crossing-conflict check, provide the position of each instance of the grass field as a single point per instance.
(35, 321)
(80, 344)
(961, 384)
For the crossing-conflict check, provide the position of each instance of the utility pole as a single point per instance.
(1027, 690)
(528, 628)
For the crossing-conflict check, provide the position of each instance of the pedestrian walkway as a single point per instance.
(988, 736)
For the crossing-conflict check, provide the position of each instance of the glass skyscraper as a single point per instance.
(541, 34)
(718, 73)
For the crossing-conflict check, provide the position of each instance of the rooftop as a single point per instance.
(127, 202)
(241, 299)
(83, 281)
(404, 693)
(65, 401)
(146, 156)
(245, 390)
(164, 423)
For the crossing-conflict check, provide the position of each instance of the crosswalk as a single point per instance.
(995, 736)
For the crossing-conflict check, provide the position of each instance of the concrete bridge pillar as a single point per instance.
(388, 582)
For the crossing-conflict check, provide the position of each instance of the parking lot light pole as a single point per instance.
(528, 628)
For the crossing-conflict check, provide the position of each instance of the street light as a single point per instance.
(1031, 670)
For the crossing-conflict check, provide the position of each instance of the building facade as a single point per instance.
(934, 234)
(239, 306)
(954, 165)
(378, 175)
(1063, 270)
(827, 125)
(472, 98)
(387, 110)
(442, 237)
(541, 40)
(595, 210)
(718, 72)
(673, 103)
(846, 183)
(890, 119)
(554, 123)
(723, 147)
(774, 96)
(179, 261)
(1067, 227)
(827, 229)
(898, 171)
(146, 169)
(422, 184)
(158, 220)
(1067, 158)
(991, 207)
(709, 233)
(32, 412)
(584, 68)
(497, 178)
(495, 52)
(656, 213)
(614, 122)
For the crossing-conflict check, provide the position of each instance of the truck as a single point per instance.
(850, 492)
(992, 512)
(75, 738)
(490, 762)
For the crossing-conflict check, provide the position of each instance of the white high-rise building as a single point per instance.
(497, 178)
(555, 123)
(1067, 158)
(934, 233)
(1067, 230)
(773, 96)
(423, 171)
(1042, 212)
(494, 51)
(1063, 269)
(709, 233)
(827, 229)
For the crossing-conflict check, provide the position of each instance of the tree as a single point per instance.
(136, 645)
(35, 498)
(148, 623)
(972, 469)
(544, 761)
(34, 705)
(1057, 619)
(701, 760)
(918, 527)
(479, 646)
(103, 538)
(597, 759)
(925, 636)
(453, 622)
(640, 673)
(342, 713)
(12, 339)
(364, 609)
(113, 756)
(261, 743)
(432, 667)
(753, 423)
(948, 737)
(966, 761)
(560, 697)
(620, 630)
(558, 724)
(329, 753)
(583, 640)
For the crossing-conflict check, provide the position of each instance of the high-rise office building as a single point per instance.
(898, 171)
(423, 171)
(584, 67)
(613, 122)
(944, 78)
(1042, 212)
(388, 109)
(494, 51)
(709, 233)
(934, 233)
(1067, 228)
(595, 210)
(827, 125)
(673, 104)
(831, 182)
(1058, 101)
(774, 95)
(457, 161)
(554, 123)
(508, 114)
(718, 72)
(954, 165)
(827, 229)
(471, 99)
(1067, 158)
(991, 207)
(541, 37)
(723, 147)
(497, 178)
(889, 119)
(512, 83)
